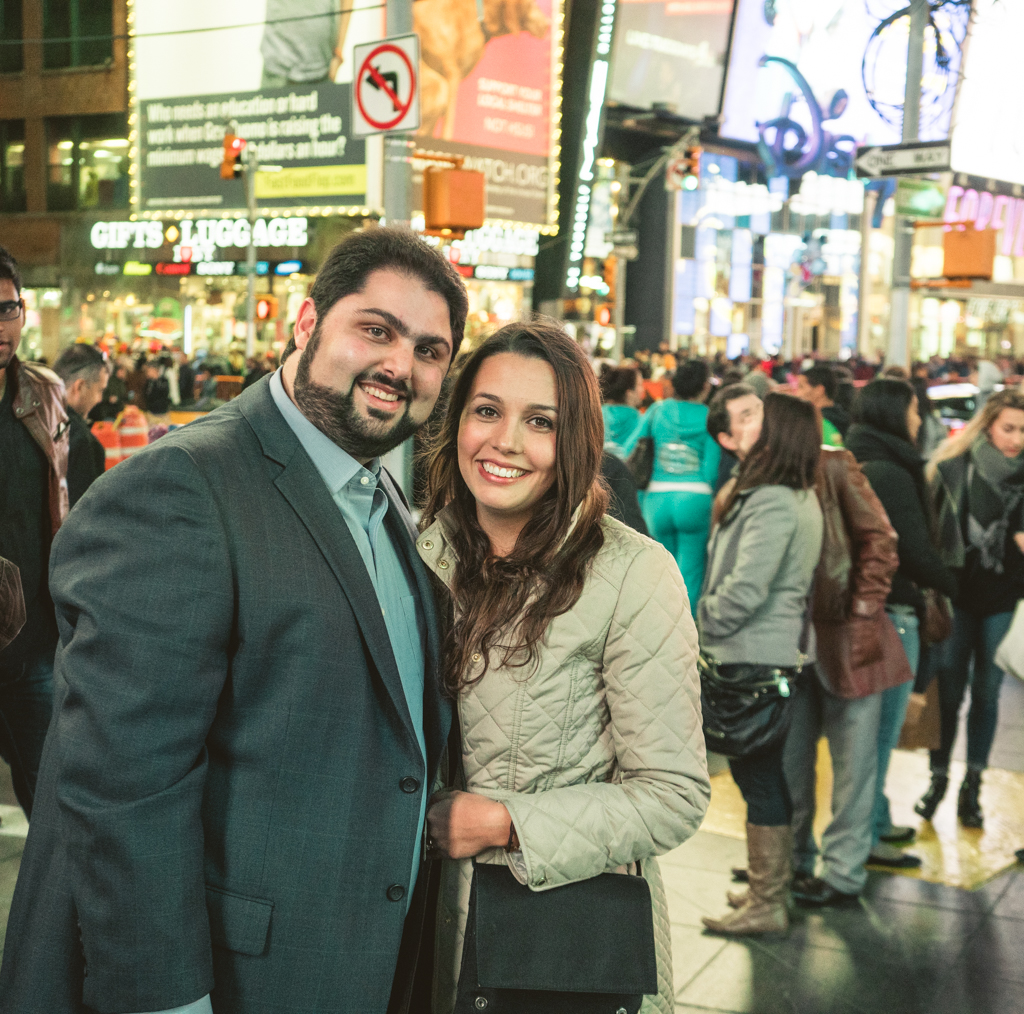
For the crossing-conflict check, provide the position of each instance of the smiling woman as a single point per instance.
(570, 632)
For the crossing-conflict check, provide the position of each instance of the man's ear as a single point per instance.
(728, 441)
(305, 323)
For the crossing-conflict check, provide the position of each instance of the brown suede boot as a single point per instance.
(769, 861)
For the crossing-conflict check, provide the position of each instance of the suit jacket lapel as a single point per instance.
(436, 707)
(303, 487)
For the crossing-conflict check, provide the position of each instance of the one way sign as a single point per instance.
(385, 89)
(903, 159)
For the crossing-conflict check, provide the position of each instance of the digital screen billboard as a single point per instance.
(988, 130)
(672, 52)
(810, 80)
(278, 71)
(490, 90)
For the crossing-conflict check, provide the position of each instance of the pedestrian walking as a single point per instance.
(677, 502)
(248, 713)
(754, 620)
(573, 657)
(885, 426)
(977, 487)
(83, 368)
(622, 391)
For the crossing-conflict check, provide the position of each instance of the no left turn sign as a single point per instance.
(386, 88)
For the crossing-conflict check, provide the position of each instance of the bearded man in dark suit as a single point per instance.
(248, 714)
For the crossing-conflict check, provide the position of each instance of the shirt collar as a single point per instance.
(336, 466)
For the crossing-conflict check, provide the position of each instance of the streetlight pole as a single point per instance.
(899, 312)
(398, 148)
(251, 167)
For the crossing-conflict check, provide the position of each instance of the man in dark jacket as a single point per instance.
(248, 714)
(33, 503)
(83, 368)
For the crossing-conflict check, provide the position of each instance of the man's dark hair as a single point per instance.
(884, 404)
(79, 360)
(9, 269)
(718, 408)
(823, 376)
(356, 257)
(690, 377)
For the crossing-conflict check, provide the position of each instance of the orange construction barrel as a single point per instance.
(134, 430)
(108, 435)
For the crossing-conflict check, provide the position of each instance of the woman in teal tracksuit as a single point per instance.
(677, 503)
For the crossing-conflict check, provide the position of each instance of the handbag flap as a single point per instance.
(594, 936)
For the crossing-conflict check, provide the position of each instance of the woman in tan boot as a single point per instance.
(753, 615)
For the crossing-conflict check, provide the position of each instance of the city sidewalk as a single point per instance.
(913, 946)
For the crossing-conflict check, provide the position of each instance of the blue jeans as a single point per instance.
(26, 700)
(681, 522)
(974, 638)
(762, 783)
(894, 710)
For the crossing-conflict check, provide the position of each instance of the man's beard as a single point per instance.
(335, 414)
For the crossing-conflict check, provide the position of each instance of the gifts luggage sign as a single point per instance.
(385, 92)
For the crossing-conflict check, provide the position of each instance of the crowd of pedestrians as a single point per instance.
(916, 569)
(306, 753)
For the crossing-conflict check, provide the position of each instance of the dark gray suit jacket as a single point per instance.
(225, 802)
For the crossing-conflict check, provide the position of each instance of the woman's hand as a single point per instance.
(464, 824)
(1019, 539)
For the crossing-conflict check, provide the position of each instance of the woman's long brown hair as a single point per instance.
(786, 453)
(507, 603)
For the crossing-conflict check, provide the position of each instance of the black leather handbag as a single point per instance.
(583, 948)
(745, 707)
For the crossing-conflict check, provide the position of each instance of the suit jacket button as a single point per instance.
(396, 892)
(409, 784)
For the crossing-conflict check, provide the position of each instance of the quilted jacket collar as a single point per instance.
(437, 552)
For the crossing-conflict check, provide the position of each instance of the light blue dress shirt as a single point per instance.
(363, 505)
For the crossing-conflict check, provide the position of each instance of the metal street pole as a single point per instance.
(864, 278)
(622, 171)
(899, 312)
(398, 148)
(250, 254)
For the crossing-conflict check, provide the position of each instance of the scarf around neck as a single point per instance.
(996, 490)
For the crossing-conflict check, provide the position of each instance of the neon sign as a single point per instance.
(989, 211)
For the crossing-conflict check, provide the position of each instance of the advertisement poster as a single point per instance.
(489, 90)
(812, 79)
(278, 72)
(671, 52)
(988, 136)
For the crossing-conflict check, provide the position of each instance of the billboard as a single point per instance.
(278, 71)
(672, 52)
(810, 81)
(988, 137)
(490, 91)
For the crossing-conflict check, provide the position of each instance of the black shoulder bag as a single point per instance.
(582, 948)
(745, 706)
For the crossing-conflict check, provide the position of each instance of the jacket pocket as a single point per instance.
(238, 923)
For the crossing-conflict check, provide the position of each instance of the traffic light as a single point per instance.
(231, 166)
(683, 169)
(266, 307)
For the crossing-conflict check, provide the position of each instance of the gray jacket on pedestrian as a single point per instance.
(761, 561)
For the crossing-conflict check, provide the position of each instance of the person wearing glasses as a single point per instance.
(33, 502)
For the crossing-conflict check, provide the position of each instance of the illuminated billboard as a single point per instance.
(809, 80)
(988, 136)
(278, 72)
(671, 52)
(490, 90)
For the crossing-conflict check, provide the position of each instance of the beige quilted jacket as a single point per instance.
(599, 755)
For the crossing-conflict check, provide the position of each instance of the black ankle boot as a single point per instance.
(929, 802)
(967, 807)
